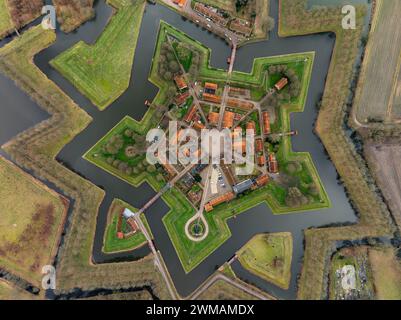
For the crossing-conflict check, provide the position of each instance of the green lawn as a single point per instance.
(5, 19)
(102, 71)
(111, 243)
(269, 257)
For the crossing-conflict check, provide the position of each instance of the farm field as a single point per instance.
(10, 292)
(6, 23)
(102, 72)
(111, 243)
(385, 164)
(379, 90)
(396, 101)
(386, 269)
(31, 222)
(269, 256)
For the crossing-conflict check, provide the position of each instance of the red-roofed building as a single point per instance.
(281, 84)
(179, 99)
(228, 119)
(180, 82)
(211, 98)
(266, 123)
(190, 114)
(273, 164)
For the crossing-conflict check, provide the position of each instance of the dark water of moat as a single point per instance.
(18, 113)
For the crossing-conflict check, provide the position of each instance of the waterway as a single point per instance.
(18, 113)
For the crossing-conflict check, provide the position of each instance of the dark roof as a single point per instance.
(243, 186)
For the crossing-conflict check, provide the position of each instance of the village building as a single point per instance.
(273, 164)
(190, 114)
(211, 13)
(228, 119)
(211, 98)
(251, 126)
(235, 91)
(261, 161)
(213, 118)
(243, 186)
(179, 99)
(198, 125)
(194, 197)
(127, 213)
(266, 123)
(240, 145)
(281, 84)
(180, 82)
(219, 200)
(240, 104)
(241, 26)
(259, 145)
(262, 180)
(210, 88)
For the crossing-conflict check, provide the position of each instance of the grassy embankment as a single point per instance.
(111, 243)
(269, 256)
(32, 218)
(102, 71)
(295, 19)
(36, 149)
